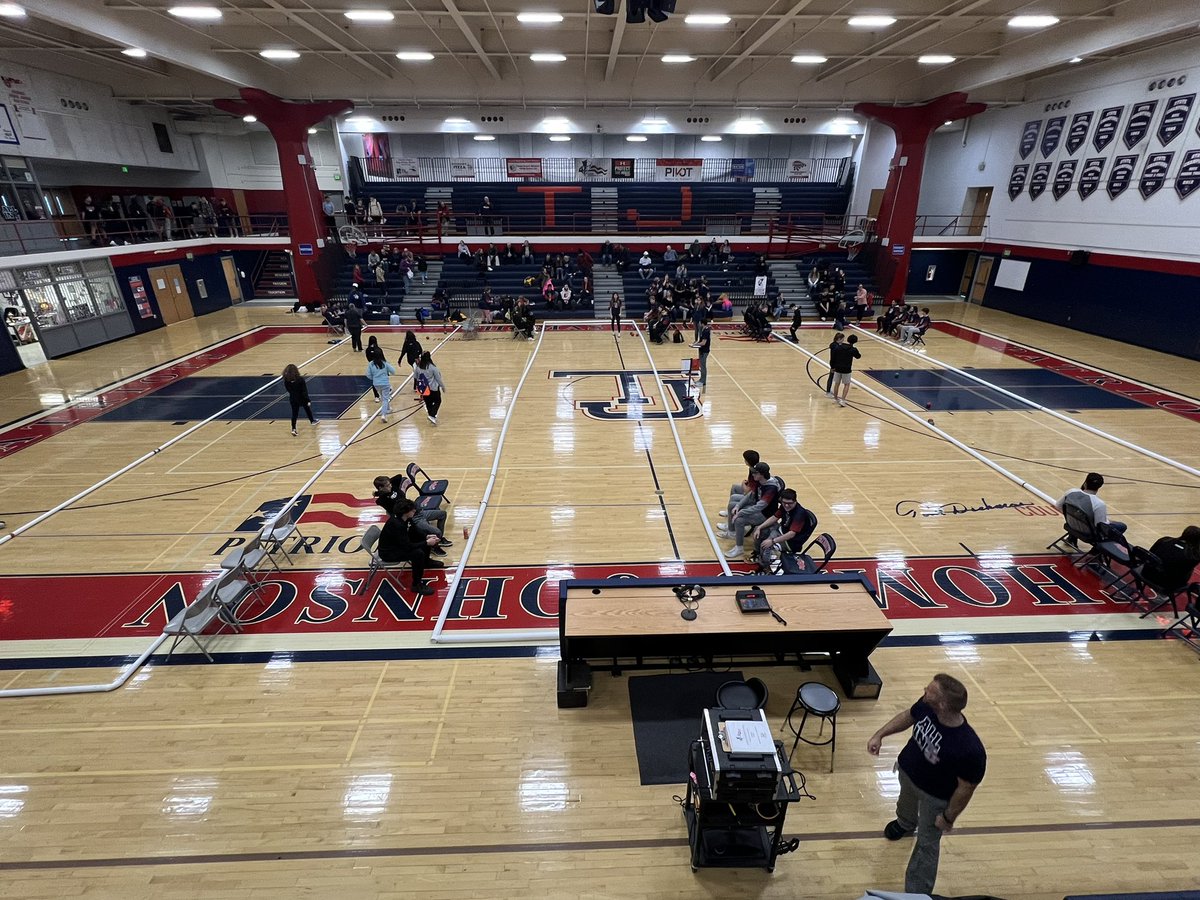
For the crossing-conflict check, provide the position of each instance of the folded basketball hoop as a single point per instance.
(852, 242)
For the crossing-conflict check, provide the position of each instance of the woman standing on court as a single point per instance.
(614, 312)
(297, 390)
(373, 350)
(428, 380)
(378, 372)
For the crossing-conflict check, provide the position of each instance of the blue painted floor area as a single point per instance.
(946, 391)
(195, 398)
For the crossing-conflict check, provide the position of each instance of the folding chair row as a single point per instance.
(1187, 626)
(279, 529)
(1105, 546)
(1142, 589)
(218, 601)
(370, 543)
(426, 486)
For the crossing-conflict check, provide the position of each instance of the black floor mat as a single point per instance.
(666, 719)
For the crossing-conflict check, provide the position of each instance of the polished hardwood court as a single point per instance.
(446, 770)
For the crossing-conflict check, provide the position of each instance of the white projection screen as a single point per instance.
(1012, 274)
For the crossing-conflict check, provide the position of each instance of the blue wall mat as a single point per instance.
(1147, 309)
(947, 277)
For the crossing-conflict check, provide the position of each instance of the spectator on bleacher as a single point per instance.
(656, 324)
(350, 211)
(488, 212)
(464, 252)
(510, 255)
(356, 297)
(357, 275)
(669, 255)
(824, 300)
(481, 267)
(585, 291)
(621, 257)
(297, 389)
(227, 224)
(862, 303)
(694, 250)
(726, 255)
(838, 276)
(565, 297)
(712, 256)
(1177, 559)
(702, 289)
(614, 312)
(89, 213)
(645, 265)
(375, 213)
(559, 270)
(548, 291)
(760, 265)
(443, 213)
(797, 320)
(373, 259)
(208, 216)
(115, 226)
(910, 332)
(522, 319)
(400, 542)
(839, 314)
(725, 303)
(381, 280)
(584, 262)
(493, 258)
(681, 271)
(779, 307)
(606, 252)
(526, 253)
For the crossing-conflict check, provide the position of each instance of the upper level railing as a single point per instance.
(22, 236)
(951, 226)
(816, 170)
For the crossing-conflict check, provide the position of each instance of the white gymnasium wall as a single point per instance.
(874, 161)
(57, 117)
(1161, 224)
(249, 161)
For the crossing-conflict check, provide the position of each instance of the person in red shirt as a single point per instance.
(788, 530)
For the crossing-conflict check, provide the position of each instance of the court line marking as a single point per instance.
(366, 713)
(292, 856)
(738, 384)
(1091, 429)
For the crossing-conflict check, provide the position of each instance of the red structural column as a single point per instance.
(289, 124)
(898, 211)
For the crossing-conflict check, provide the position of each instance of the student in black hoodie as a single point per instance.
(400, 542)
(297, 390)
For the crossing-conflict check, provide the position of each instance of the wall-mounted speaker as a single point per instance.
(1079, 257)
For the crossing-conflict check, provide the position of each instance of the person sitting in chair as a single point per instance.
(790, 528)
(401, 542)
(1177, 560)
(427, 521)
(1084, 497)
(917, 328)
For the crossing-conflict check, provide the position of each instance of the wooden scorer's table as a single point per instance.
(636, 623)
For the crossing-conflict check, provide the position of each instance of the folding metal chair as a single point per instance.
(423, 501)
(193, 619)
(1141, 589)
(1187, 626)
(279, 529)
(249, 556)
(231, 588)
(1104, 545)
(369, 542)
(425, 485)
(808, 563)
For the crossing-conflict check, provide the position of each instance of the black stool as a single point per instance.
(817, 700)
(748, 694)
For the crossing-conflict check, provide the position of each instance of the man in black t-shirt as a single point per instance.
(939, 768)
(842, 354)
(789, 529)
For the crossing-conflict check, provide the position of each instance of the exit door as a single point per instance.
(171, 292)
(983, 272)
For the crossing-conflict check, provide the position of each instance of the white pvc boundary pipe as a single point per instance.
(37, 520)
(141, 660)
(1037, 492)
(687, 471)
(1063, 417)
(475, 637)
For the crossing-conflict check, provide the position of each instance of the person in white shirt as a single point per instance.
(645, 265)
(1085, 498)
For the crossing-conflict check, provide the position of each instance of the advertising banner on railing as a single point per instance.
(741, 169)
(798, 170)
(678, 169)
(406, 167)
(524, 167)
(462, 168)
(593, 168)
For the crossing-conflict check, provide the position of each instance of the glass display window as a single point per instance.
(33, 275)
(45, 305)
(18, 169)
(77, 300)
(107, 297)
(97, 268)
(66, 271)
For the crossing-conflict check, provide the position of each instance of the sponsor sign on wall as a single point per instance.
(798, 170)
(405, 167)
(741, 169)
(677, 169)
(462, 168)
(523, 167)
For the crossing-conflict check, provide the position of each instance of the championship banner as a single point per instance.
(1016, 181)
(406, 167)
(677, 169)
(1038, 180)
(523, 167)
(1154, 173)
(1188, 177)
(797, 170)
(1029, 137)
(587, 168)
(462, 168)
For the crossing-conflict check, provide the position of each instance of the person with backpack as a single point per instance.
(297, 390)
(429, 384)
(379, 370)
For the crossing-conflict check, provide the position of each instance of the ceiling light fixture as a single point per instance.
(135, 52)
(711, 138)
(547, 57)
(456, 120)
(249, 120)
(195, 12)
(706, 19)
(1032, 21)
(1075, 59)
(414, 55)
(539, 18)
(312, 131)
(655, 121)
(678, 58)
(560, 138)
(748, 125)
(483, 137)
(844, 122)
(871, 21)
(636, 138)
(935, 59)
(948, 122)
(557, 122)
(279, 54)
(12, 11)
(809, 59)
(369, 15)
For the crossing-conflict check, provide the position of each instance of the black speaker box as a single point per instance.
(1080, 257)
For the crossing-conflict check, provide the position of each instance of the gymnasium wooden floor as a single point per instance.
(336, 751)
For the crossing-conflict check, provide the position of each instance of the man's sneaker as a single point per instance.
(893, 832)
(313, 421)
(437, 551)
(383, 419)
(378, 399)
(434, 564)
(446, 542)
(431, 419)
(723, 513)
(735, 553)
(423, 590)
(721, 530)
(293, 432)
